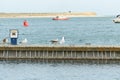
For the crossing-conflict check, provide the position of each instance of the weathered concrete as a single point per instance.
(58, 52)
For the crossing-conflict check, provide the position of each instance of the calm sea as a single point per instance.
(37, 71)
(93, 30)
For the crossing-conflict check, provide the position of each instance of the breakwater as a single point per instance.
(60, 53)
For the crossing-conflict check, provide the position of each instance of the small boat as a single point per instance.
(117, 19)
(60, 18)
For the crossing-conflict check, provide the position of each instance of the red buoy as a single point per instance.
(25, 23)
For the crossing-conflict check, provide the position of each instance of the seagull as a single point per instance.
(24, 41)
(5, 40)
(62, 41)
(55, 41)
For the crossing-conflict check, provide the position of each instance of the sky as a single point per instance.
(101, 7)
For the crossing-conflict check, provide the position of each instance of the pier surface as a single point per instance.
(60, 52)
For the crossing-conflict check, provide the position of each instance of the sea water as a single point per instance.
(78, 31)
(37, 71)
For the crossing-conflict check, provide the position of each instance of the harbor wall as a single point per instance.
(61, 53)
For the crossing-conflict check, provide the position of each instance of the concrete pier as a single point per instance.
(60, 53)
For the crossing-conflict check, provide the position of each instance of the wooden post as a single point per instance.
(16, 54)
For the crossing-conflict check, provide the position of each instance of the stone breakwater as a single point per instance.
(67, 14)
(61, 53)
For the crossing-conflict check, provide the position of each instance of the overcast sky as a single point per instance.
(101, 7)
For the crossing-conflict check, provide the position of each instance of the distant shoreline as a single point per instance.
(37, 15)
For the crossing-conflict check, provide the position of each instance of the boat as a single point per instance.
(117, 19)
(60, 18)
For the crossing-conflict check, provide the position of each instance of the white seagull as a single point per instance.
(24, 41)
(62, 41)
